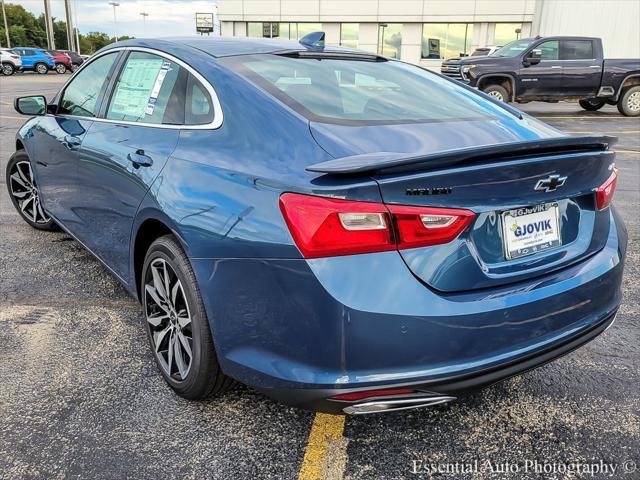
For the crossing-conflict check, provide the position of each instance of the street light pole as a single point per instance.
(115, 23)
(6, 28)
(144, 22)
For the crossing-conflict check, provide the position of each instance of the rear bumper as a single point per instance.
(302, 331)
(445, 388)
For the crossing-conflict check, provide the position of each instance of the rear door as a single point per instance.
(123, 153)
(582, 71)
(544, 78)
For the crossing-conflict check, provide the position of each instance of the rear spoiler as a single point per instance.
(397, 162)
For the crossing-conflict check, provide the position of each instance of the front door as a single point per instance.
(124, 152)
(544, 78)
(59, 136)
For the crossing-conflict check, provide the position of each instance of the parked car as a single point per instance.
(76, 59)
(451, 66)
(10, 61)
(550, 69)
(62, 60)
(35, 59)
(309, 221)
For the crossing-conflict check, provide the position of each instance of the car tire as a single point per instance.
(74, 67)
(592, 104)
(176, 323)
(8, 69)
(498, 92)
(629, 102)
(41, 68)
(61, 68)
(24, 194)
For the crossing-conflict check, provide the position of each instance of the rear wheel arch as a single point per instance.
(148, 232)
(629, 81)
(505, 81)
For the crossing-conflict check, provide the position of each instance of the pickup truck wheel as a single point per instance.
(8, 69)
(41, 68)
(591, 104)
(629, 103)
(498, 92)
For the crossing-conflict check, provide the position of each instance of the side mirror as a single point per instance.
(534, 57)
(34, 105)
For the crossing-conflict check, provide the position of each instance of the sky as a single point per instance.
(166, 17)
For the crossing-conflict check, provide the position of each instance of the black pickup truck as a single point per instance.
(550, 69)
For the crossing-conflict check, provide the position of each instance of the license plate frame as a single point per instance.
(532, 243)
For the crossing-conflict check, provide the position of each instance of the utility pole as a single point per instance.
(48, 25)
(115, 23)
(75, 16)
(6, 27)
(69, 15)
(144, 22)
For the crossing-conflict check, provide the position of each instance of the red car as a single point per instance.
(63, 61)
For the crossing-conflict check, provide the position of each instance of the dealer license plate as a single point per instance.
(530, 230)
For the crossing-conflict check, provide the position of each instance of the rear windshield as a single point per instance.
(358, 92)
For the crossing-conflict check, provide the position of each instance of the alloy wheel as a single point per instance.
(633, 102)
(60, 68)
(41, 69)
(169, 319)
(24, 189)
(7, 70)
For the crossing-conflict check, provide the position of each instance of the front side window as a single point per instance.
(82, 94)
(577, 50)
(358, 92)
(550, 50)
(446, 40)
(389, 39)
(150, 89)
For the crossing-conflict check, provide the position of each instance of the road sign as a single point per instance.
(204, 22)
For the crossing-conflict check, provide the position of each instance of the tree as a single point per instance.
(25, 30)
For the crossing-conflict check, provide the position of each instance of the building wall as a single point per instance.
(616, 21)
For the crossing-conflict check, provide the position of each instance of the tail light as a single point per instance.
(326, 227)
(604, 193)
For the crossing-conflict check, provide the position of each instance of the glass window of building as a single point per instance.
(306, 28)
(506, 32)
(349, 33)
(446, 40)
(389, 39)
(254, 29)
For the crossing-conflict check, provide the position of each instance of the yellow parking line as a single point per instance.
(326, 429)
(634, 152)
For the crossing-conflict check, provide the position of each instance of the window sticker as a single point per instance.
(138, 82)
(151, 104)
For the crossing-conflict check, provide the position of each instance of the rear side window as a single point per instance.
(82, 94)
(360, 92)
(150, 89)
(199, 107)
(550, 50)
(577, 50)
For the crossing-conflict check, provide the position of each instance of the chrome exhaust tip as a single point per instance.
(379, 406)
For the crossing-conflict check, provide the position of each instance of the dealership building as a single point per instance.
(426, 32)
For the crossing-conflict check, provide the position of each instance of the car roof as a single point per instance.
(227, 46)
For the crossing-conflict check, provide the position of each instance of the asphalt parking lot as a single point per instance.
(80, 396)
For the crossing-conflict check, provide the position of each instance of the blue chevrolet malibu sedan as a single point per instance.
(341, 231)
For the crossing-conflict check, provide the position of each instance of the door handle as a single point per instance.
(72, 141)
(139, 159)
